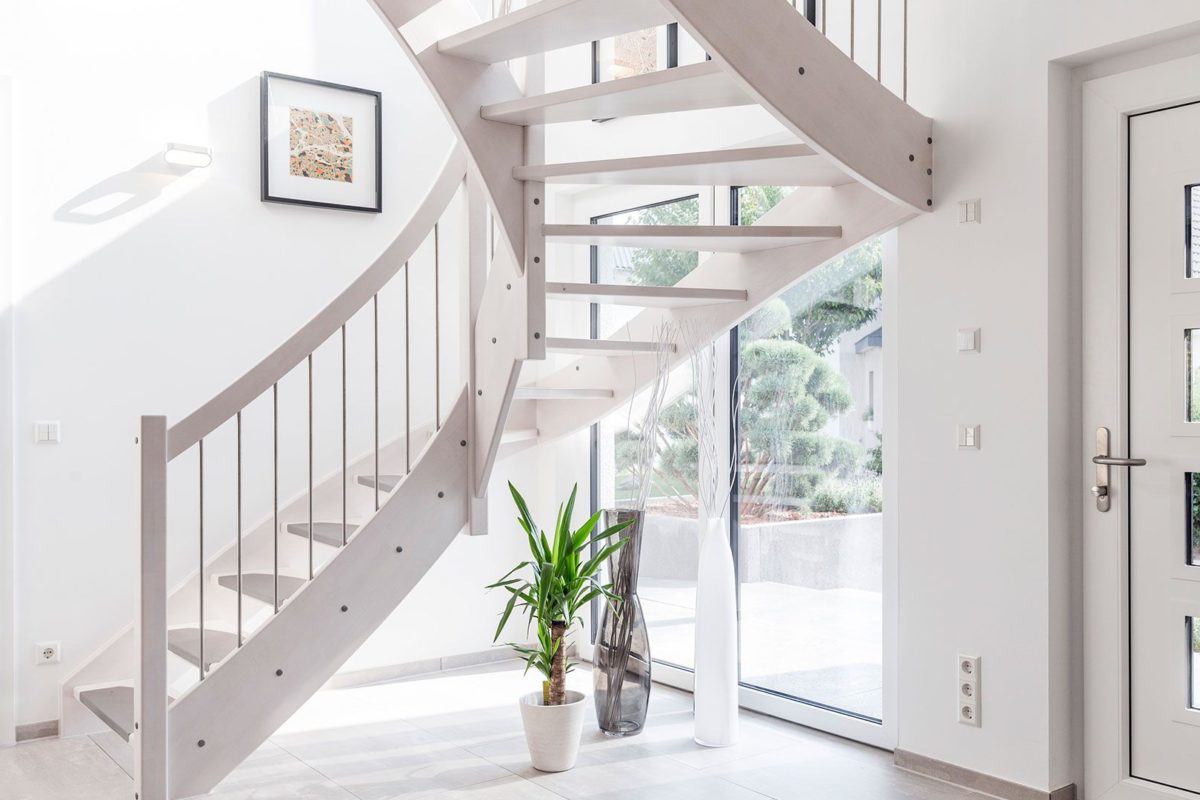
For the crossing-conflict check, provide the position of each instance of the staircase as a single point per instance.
(214, 665)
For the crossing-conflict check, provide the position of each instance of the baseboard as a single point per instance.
(394, 672)
(977, 781)
(37, 730)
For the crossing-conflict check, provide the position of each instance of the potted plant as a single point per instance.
(551, 589)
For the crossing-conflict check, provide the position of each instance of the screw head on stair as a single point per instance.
(493, 340)
(801, 70)
(537, 259)
(278, 673)
(200, 743)
(480, 392)
(537, 335)
(929, 202)
(345, 609)
(463, 443)
(929, 172)
(537, 201)
(929, 140)
(399, 549)
(441, 495)
(508, 286)
(911, 157)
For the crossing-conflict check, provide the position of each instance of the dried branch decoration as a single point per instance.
(716, 476)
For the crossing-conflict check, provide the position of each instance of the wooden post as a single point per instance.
(476, 223)
(150, 692)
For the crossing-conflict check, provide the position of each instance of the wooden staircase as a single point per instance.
(351, 547)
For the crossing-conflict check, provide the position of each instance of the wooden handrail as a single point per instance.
(328, 321)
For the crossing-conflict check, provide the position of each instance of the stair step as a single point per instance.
(603, 347)
(716, 238)
(517, 436)
(386, 482)
(329, 533)
(776, 165)
(643, 296)
(551, 24)
(261, 586)
(688, 88)
(543, 393)
(185, 643)
(113, 705)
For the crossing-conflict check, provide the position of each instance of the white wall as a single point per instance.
(7, 592)
(985, 537)
(156, 309)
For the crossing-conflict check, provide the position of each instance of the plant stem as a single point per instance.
(558, 668)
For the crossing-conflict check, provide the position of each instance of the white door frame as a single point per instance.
(8, 697)
(1107, 104)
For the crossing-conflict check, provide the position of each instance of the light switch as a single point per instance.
(969, 211)
(968, 340)
(47, 432)
(968, 437)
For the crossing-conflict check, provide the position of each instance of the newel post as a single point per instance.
(150, 689)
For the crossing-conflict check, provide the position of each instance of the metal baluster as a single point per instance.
(879, 40)
(376, 305)
(822, 17)
(852, 30)
(275, 485)
(437, 339)
(310, 467)
(239, 529)
(343, 434)
(407, 393)
(201, 472)
(904, 90)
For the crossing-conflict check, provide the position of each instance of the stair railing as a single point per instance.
(160, 445)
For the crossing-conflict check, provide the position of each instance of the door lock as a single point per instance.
(1103, 462)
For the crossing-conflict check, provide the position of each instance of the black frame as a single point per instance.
(266, 196)
(1189, 267)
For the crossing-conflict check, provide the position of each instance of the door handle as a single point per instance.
(1103, 461)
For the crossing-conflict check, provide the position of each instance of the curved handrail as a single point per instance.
(270, 370)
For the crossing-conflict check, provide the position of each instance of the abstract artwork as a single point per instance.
(321, 144)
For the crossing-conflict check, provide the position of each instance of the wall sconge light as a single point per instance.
(187, 155)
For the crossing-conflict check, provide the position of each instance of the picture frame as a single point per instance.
(322, 143)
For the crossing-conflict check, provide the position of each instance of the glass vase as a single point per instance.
(621, 660)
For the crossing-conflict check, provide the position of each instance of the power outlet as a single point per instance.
(970, 703)
(47, 653)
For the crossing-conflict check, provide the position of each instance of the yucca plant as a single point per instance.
(560, 582)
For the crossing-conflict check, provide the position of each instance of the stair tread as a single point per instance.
(644, 296)
(113, 705)
(185, 643)
(261, 586)
(717, 238)
(551, 24)
(773, 165)
(602, 346)
(551, 393)
(329, 533)
(520, 435)
(386, 482)
(688, 88)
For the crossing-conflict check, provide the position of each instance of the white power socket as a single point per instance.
(47, 652)
(970, 702)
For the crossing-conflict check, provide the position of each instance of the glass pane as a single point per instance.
(1192, 376)
(810, 524)
(1192, 215)
(667, 571)
(640, 266)
(631, 54)
(1193, 634)
(1192, 487)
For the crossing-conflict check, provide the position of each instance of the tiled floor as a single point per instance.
(458, 735)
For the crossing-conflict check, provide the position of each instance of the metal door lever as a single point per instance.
(1103, 461)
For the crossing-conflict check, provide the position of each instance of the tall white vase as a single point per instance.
(716, 693)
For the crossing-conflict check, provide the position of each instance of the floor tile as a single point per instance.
(270, 772)
(61, 769)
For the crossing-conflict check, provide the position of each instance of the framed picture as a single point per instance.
(322, 144)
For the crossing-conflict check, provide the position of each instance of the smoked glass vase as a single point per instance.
(621, 661)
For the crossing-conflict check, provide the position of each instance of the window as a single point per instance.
(1191, 202)
(809, 527)
(635, 53)
(667, 582)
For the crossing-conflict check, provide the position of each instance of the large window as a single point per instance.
(806, 511)
(809, 525)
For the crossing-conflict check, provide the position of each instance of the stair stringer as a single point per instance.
(862, 212)
(312, 635)
(461, 88)
(819, 93)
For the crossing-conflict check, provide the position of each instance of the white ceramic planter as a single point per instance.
(716, 688)
(553, 732)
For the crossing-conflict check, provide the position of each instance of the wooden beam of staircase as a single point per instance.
(709, 238)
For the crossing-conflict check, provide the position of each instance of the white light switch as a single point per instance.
(48, 432)
(968, 340)
(968, 437)
(969, 211)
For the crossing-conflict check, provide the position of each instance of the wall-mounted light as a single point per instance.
(187, 155)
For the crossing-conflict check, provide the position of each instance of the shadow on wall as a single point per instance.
(122, 192)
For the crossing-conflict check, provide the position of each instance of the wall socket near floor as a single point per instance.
(47, 652)
(969, 701)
